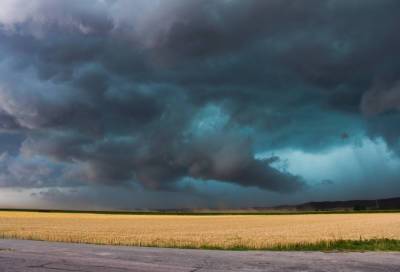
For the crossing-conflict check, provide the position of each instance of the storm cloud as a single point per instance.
(150, 93)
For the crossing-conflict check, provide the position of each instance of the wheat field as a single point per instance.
(230, 231)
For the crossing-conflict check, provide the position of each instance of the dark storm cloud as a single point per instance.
(117, 92)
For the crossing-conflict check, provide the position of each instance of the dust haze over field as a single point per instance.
(132, 104)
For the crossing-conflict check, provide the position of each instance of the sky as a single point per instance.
(121, 104)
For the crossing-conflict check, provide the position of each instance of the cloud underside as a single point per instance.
(154, 92)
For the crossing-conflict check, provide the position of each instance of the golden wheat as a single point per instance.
(249, 231)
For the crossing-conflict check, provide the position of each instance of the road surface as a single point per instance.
(33, 256)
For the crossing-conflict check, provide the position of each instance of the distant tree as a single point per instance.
(359, 208)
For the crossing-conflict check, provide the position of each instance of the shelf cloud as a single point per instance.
(152, 93)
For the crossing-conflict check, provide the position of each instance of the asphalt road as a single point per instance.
(18, 256)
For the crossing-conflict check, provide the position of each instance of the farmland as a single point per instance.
(190, 231)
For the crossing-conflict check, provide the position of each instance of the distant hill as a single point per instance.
(377, 204)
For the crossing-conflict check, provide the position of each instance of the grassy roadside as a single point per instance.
(377, 245)
(344, 245)
(392, 245)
